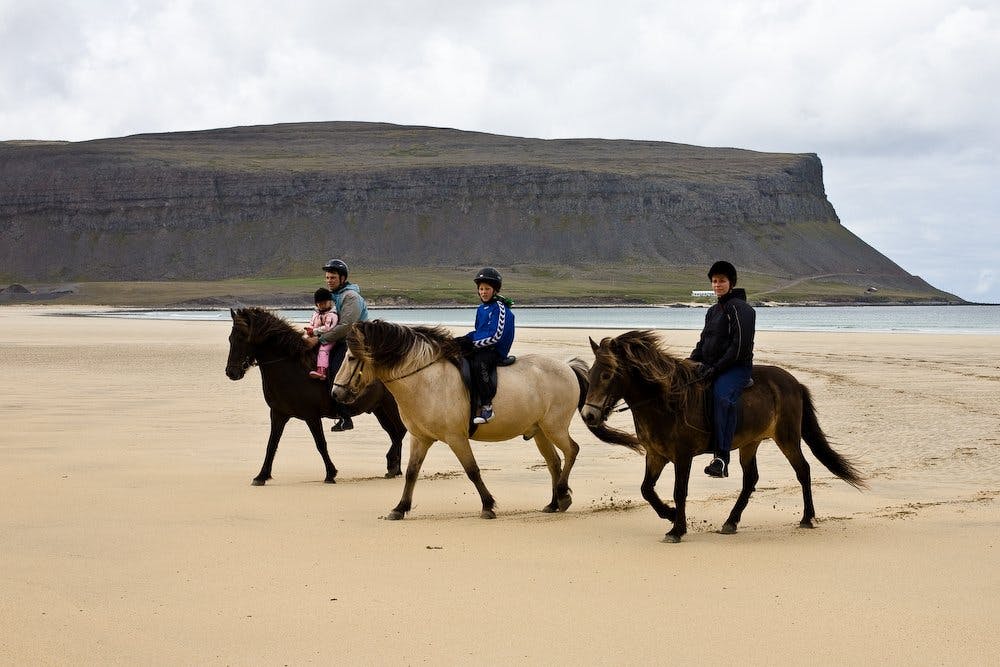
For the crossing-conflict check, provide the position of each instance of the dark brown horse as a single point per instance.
(668, 406)
(259, 337)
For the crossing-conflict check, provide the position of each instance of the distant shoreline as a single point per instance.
(197, 305)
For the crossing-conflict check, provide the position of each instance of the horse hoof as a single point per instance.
(728, 529)
(564, 503)
(395, 515)
(329, 480)
(671, 539)
(392, 474)
(487, 514)
(549, 509)
(258, 482)
(806, 524)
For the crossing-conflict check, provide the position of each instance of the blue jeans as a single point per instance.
(726, 391)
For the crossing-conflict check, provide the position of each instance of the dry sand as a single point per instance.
(131, 533)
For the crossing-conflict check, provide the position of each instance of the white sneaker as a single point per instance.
(485, 415)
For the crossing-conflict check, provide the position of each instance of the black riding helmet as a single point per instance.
(336, 266)
(724, 268)
(490, 276)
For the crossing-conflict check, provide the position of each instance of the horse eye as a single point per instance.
(606, 376)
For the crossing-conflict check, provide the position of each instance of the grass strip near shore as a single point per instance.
(555, 285)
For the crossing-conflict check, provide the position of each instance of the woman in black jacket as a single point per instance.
(725, 356)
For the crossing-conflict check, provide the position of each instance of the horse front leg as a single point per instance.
(463, 451)
(316, 428)
(278, 421)
(748, 462)
(418, 452)
(654, 466)
(682, 473)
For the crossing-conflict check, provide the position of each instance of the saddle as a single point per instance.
(465, 370)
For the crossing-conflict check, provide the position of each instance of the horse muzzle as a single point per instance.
(593, 414)
(236, 372)
(342, 393)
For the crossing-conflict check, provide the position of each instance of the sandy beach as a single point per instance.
(131, 533)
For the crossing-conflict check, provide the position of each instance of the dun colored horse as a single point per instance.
(536, 398)
(668, 406)
(261, 338)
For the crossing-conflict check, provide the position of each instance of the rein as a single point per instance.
(361, 364)
(258, 362)
(357, 370)
(606, 410)
(413, 372)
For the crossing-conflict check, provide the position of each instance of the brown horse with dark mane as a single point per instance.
(261, 338)
(668, 406)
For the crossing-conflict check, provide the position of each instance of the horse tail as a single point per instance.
(836, 463)
(610, 435)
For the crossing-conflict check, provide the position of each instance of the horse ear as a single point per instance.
(593, 346)
(232, 313)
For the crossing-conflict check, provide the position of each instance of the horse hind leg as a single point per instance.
(790, 445)
(748, 462)
(316, 428)
(388, 418)
(562, 495)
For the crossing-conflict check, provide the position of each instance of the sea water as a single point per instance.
(910, 319)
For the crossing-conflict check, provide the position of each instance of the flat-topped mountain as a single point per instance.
(273, 200)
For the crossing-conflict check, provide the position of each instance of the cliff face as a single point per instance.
(268, 201)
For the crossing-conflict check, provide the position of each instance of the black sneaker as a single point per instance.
(717, 468)
(345, 424)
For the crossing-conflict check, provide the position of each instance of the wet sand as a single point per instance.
(131, 533)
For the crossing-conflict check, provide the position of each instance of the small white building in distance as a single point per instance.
(702, 292)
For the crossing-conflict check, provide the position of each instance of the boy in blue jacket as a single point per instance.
(491, 340)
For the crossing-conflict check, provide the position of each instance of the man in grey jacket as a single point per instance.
(351, 308)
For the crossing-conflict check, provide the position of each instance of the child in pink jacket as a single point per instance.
(323, 319)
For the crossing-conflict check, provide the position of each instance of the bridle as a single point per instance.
(250, 360)
(608, 406)
(358, 368)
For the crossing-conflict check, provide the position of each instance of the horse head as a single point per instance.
(354, 374)
(260, 336)
(603, 391)
(240, 348)
(633, 367)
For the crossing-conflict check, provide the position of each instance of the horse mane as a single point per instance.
(392, 346)
(644, 354)
(263, 326)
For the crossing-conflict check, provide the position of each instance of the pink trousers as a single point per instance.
(323, 360)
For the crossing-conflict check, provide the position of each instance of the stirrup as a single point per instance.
(717, 468)
(343, 424)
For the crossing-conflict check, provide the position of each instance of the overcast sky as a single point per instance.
(898, 97)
